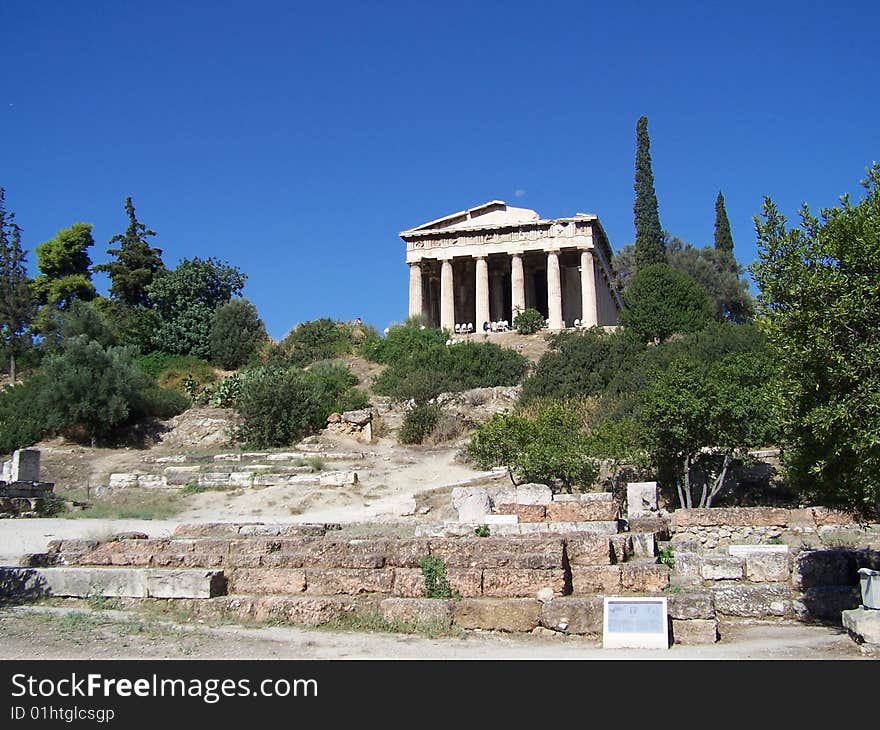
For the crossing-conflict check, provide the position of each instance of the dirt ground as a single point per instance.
(61, 633)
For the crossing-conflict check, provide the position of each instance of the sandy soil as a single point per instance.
(76, 634)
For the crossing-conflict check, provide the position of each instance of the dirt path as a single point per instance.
(61, 633)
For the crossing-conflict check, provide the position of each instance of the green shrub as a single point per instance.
(528, 321)
(236, 333)
(418, 423)
(171, 371)
(434, 572)
(549, 448)
(661, 302)
(277, 406)
(322, 339)
(482, 531)
(22, 415)
(421, 365)
(159, 402)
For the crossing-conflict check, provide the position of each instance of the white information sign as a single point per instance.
(635, 623)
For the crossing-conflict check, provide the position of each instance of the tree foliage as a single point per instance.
(697, 420)
(819, 303)
(16, 302)
(549, 448)
(135, 264)
(236, 333)
(64, 272)
(723, 236)
(661, 302)
(649, 245)
(185, 300)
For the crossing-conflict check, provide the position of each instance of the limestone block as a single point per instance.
(432, 611)
(525, 512)
(595, 579)
(641, 498)
(721, 567)
(688, 566)
(267, 580)
(644, 545)
(494, 520)
(337, 478)
(471, 503)
(601, 528)
(822, 517)
(753, 601)
(331, 581)
(180, 475)
(767, 567)
(621, 548)
(78, 582)
(658, 525)
(359, 418)
(25, 465)
(497, 614)
(731, 517)
(227, 457)
(243, 479)
(692, 605)
(534, 494)
(584, 497)
(184, 583)
(410, 583)
(218, 479)
(506, 583)
(588, 549)
(324, 553)
(694, 631)
(863, 624)
(573, 614)
(644, 577)
(582, 511)
(123, 481)
(152, 481)
(306, 611)
(500, 552)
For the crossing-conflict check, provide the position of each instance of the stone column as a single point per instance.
(589, 304)
(482, 294)
(447, 296)
(517, 285)
(496, 296)
(415, 289)
(554, 291)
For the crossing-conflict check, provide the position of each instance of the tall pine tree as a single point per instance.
(650, 248)
(723, 237)
(16, 304)
(136, 262)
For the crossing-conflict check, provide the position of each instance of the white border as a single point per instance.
(623, 640)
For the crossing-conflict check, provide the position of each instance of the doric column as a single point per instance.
(589, 304)
(496, 297)
(415, 289)
(482, 294)
(517, 284)
(554, 291)
(447, 296)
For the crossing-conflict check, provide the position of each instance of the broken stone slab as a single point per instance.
(180, 475)
(599, 528)
(721, 567)
(641, 498)
(116, 582)
(227, 457)
(863, 624)
(534, 494)
(417, 611)
(471, 503)
(584, 497)
(525, 512)
(644, 545)
(599, 511)
(497, 614)
(358, 418)
(122, 481)
(151, 481)
(494, 520)
(753, 601)
(694, 631)
(767, 567)
(697, 604)
(573, 614)
(337, 478)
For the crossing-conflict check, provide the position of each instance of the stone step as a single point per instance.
(34, 583)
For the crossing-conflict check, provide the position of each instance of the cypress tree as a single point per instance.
(16, 304)
(723, 237)
(649, 248)
(136, 262)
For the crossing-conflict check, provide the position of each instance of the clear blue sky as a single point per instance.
(295, 140)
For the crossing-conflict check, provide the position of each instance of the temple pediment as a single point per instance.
(495, 213)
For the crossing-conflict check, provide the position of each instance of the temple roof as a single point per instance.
(493, 214)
